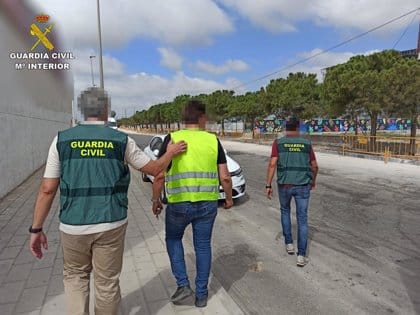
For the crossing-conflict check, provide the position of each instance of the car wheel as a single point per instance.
(145, 178)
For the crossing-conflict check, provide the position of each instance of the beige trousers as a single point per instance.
(102, 253)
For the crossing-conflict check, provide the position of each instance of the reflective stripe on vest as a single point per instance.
(192, 189)
(193, 176)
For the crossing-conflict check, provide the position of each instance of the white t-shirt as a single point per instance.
(133, 156)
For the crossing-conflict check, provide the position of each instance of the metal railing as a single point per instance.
(386, 146)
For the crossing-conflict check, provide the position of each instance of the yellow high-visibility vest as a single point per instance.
(193, 175)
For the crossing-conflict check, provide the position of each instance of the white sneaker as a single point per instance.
(302, 261)
(290, 249)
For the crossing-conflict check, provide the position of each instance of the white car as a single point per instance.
(112, 123)
(238, 179)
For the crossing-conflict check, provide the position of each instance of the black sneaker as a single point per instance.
(181, 293)
(201, 302)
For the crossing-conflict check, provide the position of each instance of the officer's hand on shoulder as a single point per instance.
(176, 148)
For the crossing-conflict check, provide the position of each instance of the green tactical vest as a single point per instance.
(94, 178)
(193, 175)
(293, 165)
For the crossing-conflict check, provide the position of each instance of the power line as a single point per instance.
(326, 50)
(405, 31)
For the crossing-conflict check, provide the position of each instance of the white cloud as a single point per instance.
(282, 15)
(230, 65)
(130, 92)
(170, 59)
(175, 22)
(272, 15)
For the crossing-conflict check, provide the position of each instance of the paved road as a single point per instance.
(364, 240)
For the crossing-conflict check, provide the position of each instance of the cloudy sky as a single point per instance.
(157, 49)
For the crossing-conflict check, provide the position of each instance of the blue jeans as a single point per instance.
(202, 216)
(301, 195)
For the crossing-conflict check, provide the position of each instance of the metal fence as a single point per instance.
(386, 146)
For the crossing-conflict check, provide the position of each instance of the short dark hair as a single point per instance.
(193, 111)
(292, 124)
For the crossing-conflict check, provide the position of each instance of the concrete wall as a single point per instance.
(34, 105)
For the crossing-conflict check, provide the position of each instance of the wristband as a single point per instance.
(34, 231)
(268, 187)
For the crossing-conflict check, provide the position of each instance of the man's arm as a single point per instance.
(157, 187)
(272, 166)
(155, 167)
(45, 198)
(226, 182)
(43, 203)
(314, 168)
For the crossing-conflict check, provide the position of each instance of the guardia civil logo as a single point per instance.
(43, 53)
(41, 35)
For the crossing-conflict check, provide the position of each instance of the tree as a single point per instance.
(179, 105)
(248, 107)
(272, 94)
(218, 103)
(360, 85)
(297, 95)
(404, 93)
(154, 116)
(113, 113)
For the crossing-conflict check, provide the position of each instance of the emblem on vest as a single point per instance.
(89, 148)
(294, 147)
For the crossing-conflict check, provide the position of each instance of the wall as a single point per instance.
(34, 105)
(400, 125)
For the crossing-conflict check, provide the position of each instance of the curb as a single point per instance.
(321, 148)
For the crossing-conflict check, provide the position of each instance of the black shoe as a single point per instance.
(181, 293)
(201, 302)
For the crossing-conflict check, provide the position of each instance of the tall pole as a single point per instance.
(101, 67)
(418, 43)
(91, 69)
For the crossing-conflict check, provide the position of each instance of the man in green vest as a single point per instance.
(192, 188)
(89, 163)
(294, 159)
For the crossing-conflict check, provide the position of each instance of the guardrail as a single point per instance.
(389, 146)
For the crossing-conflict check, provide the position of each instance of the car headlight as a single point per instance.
(238, 172)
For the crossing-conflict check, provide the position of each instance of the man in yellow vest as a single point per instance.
(192, 188)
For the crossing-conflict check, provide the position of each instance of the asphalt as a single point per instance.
(364, 246)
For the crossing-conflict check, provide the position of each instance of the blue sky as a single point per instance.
(155, 50)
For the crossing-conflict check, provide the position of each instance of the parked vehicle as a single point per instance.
(238, 179)
(112, 123)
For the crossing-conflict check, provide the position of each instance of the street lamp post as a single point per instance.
(101, 68)
(91, 69)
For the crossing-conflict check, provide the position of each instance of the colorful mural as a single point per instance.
(333, 125)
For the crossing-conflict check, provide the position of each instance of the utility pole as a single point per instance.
(418, 44)
(91, 69)
(101, 67)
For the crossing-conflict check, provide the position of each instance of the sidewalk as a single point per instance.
(29, 286)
